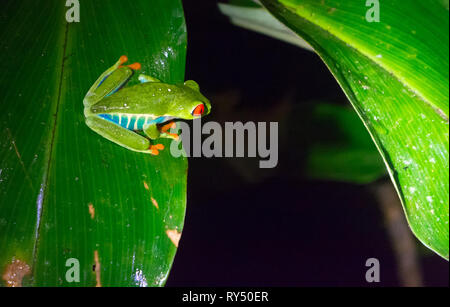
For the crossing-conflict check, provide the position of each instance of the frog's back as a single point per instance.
(133, 107)
(147, 98)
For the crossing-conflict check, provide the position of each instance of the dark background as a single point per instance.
(257, 227)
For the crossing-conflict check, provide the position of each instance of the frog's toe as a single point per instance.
(154, 149)
(168, 126)
(135, 66)
(159, 146)
(164, 131)
(123, 59)
(170, 135)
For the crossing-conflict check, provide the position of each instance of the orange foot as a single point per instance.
(154, 149)
(134, 66)
(123, 59)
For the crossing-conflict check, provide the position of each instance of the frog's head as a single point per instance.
(198, 105)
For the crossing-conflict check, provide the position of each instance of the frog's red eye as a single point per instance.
(198, 110)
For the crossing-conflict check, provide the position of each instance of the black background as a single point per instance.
(280, 229)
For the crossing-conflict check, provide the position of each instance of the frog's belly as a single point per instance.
(132, 121)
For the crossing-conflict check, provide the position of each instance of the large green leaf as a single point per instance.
(396, 74)
(65, 191)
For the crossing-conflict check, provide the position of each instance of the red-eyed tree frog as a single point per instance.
(119, 113)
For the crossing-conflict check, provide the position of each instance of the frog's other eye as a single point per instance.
(199, 109)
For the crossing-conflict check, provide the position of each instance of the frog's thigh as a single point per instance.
(117, 134)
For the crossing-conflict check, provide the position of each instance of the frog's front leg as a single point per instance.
(110, 81)
(121, 136)
(151, 130)
(155, 132)
(165, 128)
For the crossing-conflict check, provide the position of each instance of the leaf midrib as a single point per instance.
(50, 146)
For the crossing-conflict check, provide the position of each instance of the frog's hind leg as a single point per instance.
(121, 136)
(110, 81)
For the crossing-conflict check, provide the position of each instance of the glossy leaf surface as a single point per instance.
(66, 192)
